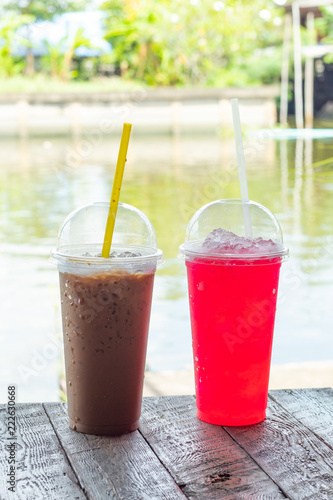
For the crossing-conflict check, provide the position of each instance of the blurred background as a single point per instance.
(71, 72)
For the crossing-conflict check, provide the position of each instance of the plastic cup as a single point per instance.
(105, 305)
(233, 286)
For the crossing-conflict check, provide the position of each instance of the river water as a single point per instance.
(168, 178)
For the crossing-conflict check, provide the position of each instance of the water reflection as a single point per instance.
(168, 178)
(284, 173)
(298, 184)
(308, 160)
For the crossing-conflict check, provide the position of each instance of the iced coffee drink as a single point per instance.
(105, 324)
(105, 304)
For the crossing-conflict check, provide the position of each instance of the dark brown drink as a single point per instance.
(105, 324)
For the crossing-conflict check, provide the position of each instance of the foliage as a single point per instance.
(164, 42)
(10, 66)
(59, 58)
(325, 27)
(37, 10)
(42, 9)
(52, 61)
(172, 42)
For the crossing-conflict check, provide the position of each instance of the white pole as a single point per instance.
(308, 80)
(298, 65)
(285, 71)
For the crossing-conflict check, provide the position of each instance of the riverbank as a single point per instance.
(288, 376)
(91, 115)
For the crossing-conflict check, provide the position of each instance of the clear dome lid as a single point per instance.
(217, 229)
(81, 236)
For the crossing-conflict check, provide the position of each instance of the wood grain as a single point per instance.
(121, 467)
(297, 460)
(176, 456)
(313, 407)
(42, 470)
(203, 459)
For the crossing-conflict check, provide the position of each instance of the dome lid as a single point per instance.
(81, 236)
(217, 229)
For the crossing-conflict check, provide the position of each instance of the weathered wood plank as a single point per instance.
(121, 467)
(297, 460)
(313, 407)
(42, 470)
(202, 458)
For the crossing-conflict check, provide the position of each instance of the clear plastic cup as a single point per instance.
(105, 307)
(233, 286)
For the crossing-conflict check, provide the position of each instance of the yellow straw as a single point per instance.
(118, 178)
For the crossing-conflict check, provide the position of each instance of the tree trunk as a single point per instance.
(30, 67)
(66, 65)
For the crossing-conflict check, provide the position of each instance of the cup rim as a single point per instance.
(191, 254)
(60, 256)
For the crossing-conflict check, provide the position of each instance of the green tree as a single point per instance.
(52, 61)
(59, 59)
(42, 9)
(38, 10)
(325, 29)
(207, 42)
(9, 65)
(78, 41)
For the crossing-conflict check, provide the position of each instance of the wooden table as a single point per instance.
(174, 455)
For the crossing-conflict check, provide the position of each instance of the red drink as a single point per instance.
(232, 308)
(233, 283)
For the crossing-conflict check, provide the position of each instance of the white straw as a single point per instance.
(241, 168)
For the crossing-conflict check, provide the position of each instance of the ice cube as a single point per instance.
(222, 241)
(115, 254)
(129, 254)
